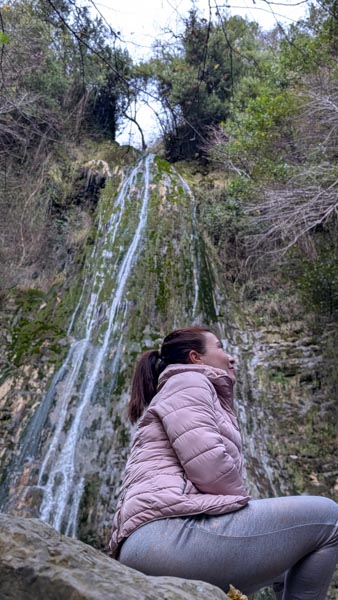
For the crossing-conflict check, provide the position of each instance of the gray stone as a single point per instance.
(38, 563)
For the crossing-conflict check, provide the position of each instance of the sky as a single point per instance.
(141, 22)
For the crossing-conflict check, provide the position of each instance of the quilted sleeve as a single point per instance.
(190, 422)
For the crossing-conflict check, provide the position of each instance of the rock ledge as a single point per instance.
(36, 562)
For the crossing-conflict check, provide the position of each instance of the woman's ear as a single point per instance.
(195, 357)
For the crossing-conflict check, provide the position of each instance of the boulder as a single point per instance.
(38, 563)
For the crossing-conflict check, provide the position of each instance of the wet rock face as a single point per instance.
(37, 562)
(69, 440)
(286, 413)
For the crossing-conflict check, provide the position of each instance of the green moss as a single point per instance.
(119, 384)
(40, 323)
(6, 372)
(88, 500)
(279, 378)
(207, 286)
(116, 422)
(162, 165)
(124, 437)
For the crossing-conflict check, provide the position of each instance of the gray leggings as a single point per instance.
(290, 543)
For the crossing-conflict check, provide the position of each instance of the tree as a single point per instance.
(279, 144)
(195, 79)
(62, 76)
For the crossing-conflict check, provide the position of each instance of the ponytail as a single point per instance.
(175, 349)
(144, 383)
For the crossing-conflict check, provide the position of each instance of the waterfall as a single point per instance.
(63, 488)
(78, 436)
(194, 245)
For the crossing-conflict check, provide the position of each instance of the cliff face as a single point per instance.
(68, 355)
(287, 412)
(71, 351)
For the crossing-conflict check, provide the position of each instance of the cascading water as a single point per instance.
(194, 244)
(64, 487)
(78, 430)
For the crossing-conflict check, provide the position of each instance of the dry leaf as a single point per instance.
(236, 594)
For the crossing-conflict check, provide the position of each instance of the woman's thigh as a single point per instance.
(247, 548)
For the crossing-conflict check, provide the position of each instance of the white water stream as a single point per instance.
(193, 246)
(59, 478)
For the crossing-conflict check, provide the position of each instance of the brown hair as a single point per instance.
(175, 349)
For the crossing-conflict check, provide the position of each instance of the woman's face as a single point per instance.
(215, 356)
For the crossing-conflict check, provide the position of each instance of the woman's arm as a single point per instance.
(190, 422)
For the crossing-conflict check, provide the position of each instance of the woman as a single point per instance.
(183, 509)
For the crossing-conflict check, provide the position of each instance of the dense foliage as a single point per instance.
(278, 152)
(61, 78)
(195, 78)
(260, 110)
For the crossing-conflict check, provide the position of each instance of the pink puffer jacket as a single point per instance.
(186, 456)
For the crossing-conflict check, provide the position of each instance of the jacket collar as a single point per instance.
(219, 378)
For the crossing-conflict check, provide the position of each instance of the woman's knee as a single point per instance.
(326, 508)
(310, 509)
(324, 511)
